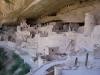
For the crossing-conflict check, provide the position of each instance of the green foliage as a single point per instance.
(3, 58)
(14, 68)
(26, 68)
(21, 73)
(19, 64)
(17, 58)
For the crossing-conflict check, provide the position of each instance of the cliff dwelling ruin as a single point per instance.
(49, 37)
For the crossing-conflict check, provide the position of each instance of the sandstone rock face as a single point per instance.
(76, 12)
(13, 10)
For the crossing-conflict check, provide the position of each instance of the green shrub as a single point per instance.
(26, 68)
(21, 73)
(14, 68)
(3, 58)
(17, 58)
(19, 63)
